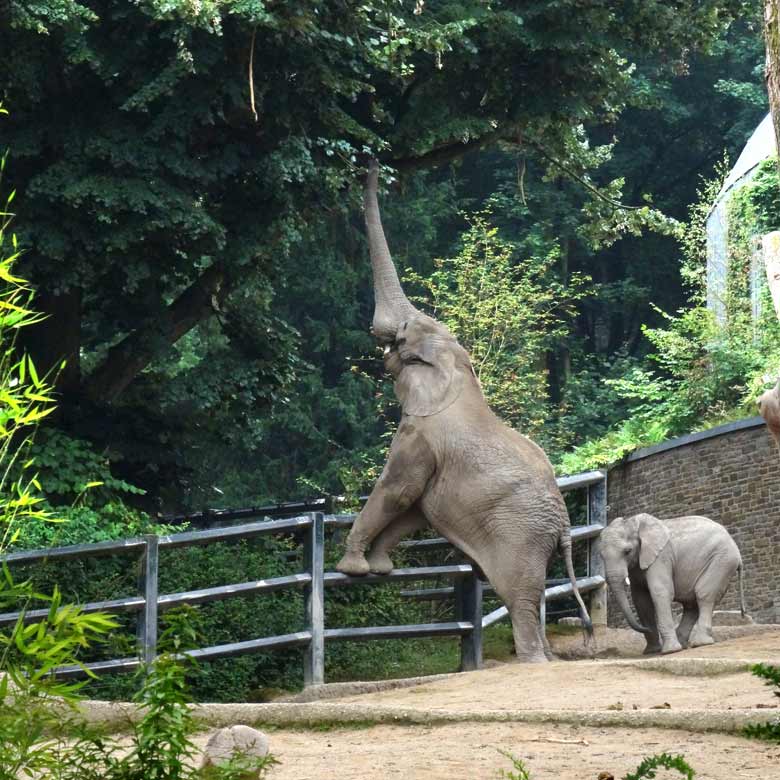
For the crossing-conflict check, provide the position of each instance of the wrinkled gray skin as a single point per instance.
(454, 465)
(689, 560)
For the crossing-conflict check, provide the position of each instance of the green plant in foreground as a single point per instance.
(645, 771)
(771, 729)
(520, 771)
(41, 732)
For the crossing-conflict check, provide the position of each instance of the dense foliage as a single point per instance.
(42, 734)
(187, 175)
(704, 368)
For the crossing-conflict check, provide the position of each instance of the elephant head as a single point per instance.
(769, 407)
(427, 363)
(625, 544)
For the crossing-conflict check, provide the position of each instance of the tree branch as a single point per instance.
(130, 356)
(448, 152)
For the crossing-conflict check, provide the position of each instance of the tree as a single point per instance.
(172, 155)
(772, 40)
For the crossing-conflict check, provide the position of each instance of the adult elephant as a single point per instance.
(769, 408)
(454, 465)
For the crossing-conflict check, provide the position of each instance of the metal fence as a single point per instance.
(467, 589)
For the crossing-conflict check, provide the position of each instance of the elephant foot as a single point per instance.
(532, 658)
(379, 563)
(672, 646)
(652, 649)
(683, 641)
(354, 564)
(700, 638)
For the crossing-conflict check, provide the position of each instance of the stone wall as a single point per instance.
(730, 474)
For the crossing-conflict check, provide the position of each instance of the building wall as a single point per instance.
(729, 474)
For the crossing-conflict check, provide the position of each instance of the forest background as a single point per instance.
(194, 239)
(187, 180)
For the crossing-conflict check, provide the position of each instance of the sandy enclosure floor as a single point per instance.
(469, 751)
(598, 684)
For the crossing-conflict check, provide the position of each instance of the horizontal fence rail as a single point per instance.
(466, 589)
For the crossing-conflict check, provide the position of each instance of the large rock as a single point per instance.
(226, 743)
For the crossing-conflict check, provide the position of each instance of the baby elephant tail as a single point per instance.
(741, 591)
(564, 544)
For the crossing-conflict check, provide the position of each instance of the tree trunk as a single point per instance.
(137, 350)
(56, 340)
(772, 39)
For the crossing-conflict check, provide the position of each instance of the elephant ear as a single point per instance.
(653, 537)
(429, 387)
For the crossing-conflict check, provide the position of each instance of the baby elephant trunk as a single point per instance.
(618, 587)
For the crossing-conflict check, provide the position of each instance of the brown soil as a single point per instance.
(470, 750)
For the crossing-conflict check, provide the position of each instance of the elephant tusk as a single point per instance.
(387, 349)
(628, 582)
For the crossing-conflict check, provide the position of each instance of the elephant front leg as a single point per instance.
(661, 594)
(378, 557)
(409, 466)
(646, 610)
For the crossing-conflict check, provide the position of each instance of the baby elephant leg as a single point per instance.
(711, 586)
(646, 610)
(687, 622)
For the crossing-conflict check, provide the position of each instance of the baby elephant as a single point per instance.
(686, 559)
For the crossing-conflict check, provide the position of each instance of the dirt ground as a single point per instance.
(470, 750)
(599, 684)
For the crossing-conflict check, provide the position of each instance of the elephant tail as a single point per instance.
(564, 545)
(741, 591)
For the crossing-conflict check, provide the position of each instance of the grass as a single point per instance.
(422, 657)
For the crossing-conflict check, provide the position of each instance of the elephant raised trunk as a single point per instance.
(618, 588)
(392, 307)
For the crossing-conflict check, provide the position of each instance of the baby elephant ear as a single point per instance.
(428, 388)
(653, 537)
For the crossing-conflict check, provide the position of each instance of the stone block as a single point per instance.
(231, 742)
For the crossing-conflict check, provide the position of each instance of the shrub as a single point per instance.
(771, 729)
(645, 771)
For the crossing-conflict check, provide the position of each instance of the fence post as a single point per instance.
(597, 513)
(147, 584)
(468, 607)
(314, 601)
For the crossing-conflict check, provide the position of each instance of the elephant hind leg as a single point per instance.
(522, 599)
(710, 587)
(687, 622)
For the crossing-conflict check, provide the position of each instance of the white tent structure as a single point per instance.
(760, 146)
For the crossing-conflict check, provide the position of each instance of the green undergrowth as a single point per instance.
(423, 657)
(769, 731)
(646, 770)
